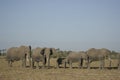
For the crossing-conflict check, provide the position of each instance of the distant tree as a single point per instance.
(3, 52)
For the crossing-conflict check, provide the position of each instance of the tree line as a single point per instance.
(2, 52)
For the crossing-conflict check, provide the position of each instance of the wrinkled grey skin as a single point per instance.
(118, 57)
(47, 52)
(76, 57)
(100, 55)
(19, 53)
(38, 56)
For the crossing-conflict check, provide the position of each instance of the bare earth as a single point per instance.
(18, 73)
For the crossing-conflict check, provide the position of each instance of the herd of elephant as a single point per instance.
(26, 54)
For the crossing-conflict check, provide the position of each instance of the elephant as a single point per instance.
(60, 61)
(47, 52)
(19, 53)
(43, 55)
(38, 56)
(76, 57)
(118, 57)
(100, 55)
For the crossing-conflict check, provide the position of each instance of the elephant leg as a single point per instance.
(110, 62)
(23, 62)
(44, 61)
(64, 64)
(88, 63)
(70, 65)
(101, 63)
(80, 63)
(37, 65)
(43, 65)
(32, 64)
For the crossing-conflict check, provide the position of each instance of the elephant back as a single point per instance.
(36, 51)
(24, 51)
(74, 56)
(105, 52)
(12, 54)
(92, 52)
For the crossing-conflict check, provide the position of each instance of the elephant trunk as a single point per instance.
(48, 61)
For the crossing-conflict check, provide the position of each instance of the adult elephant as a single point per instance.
(47, 52)
(19, 53)
(76, 57)
(100, 55)
(38, 56)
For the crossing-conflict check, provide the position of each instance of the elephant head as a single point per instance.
(47, 52)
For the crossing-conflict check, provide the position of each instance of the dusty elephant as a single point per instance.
(38, 56)
(100, 55)
(76, 57)
(19, 53)
(47, 52)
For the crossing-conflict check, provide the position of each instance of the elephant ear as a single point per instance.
(51, 51)
(30, 51)
(42, 51)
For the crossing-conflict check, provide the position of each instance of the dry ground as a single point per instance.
(18, 73)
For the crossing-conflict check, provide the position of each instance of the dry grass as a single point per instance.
(18, 73)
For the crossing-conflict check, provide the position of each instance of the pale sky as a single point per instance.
(65, 24)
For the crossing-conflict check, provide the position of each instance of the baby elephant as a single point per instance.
(60, 61)
(76, 57)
